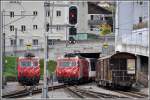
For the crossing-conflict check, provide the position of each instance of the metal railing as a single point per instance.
(96, 22)
(140, 25)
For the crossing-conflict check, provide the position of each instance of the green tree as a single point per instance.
(105, 29)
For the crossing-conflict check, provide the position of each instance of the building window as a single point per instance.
(50, 42)
(141, 2)
(12, 42)
(11, 27)
(47, 13)
(58, 13)
(91, 17)
(35, 27)
(140, 19)
(21, 42)
(35, 13)
(14, 1)
(58, 27)
(11, 14)
(35, 42)
(23, 28)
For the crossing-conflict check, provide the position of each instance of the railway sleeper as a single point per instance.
(95, 94)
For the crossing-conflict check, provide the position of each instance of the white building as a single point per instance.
(132, 32)
(28, 17)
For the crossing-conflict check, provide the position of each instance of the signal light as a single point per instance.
(73, 15)
(72, 31)
(72, 40)
(47, 27)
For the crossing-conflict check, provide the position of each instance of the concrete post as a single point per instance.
(45, 88)
(138, 68)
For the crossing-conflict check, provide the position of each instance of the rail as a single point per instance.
(132, 94)
(84, 93)
(30, 91)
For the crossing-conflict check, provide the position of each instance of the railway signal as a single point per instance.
(72, 31)
(47, 27)
(72, 40)
(73, 15)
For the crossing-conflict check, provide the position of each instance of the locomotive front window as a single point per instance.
(25, 63)
(68, 64)
(35, 63)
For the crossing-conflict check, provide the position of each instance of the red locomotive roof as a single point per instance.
(28, 58)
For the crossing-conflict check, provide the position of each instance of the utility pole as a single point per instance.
(3, 52)
(1, 42)
(45, 88)
(15, 42)
(66, 37)
(2, 46)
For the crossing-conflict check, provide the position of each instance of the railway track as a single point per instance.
(82, 93)
(30, 91)
(133, 94)
(75, 90)
(18, 93)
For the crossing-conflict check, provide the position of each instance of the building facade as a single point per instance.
(24, 21)
(28, 17)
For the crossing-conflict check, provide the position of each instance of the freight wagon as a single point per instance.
(116, 70)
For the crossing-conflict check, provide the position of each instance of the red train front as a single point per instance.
(72, 69)
(28, 70)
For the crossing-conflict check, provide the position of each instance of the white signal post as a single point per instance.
(45, 88)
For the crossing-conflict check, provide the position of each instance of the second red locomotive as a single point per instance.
(28, 70)
(72, 69)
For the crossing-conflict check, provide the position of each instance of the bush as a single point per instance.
(10, 69)
(105, 29)
(51, 66)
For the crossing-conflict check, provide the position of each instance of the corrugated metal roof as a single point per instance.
(95, 9)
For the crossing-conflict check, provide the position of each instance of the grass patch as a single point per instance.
(51, 66)
(11, 67)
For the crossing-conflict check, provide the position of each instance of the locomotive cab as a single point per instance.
(28, 70)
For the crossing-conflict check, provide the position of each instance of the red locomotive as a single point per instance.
(73, 69)
(28, 69)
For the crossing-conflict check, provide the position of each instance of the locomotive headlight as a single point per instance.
(59, 72)
(74, 72)
(20, 72)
